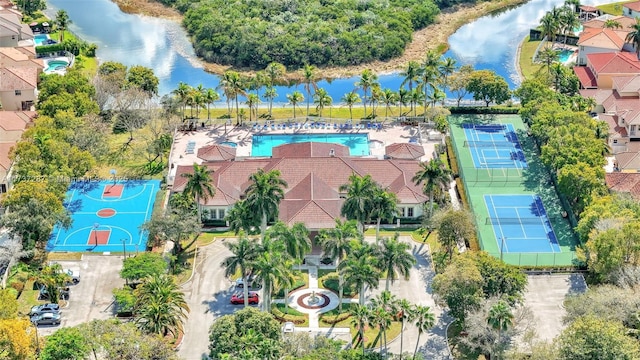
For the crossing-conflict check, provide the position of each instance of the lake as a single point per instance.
(162, 45)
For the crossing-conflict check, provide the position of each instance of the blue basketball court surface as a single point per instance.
(494, 146)
(106, 216)
(520, 224)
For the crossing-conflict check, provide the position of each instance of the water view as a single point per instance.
(162, 45)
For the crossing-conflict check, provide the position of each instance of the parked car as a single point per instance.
(288, 327)
(250, 280)
(46, 319)
(74, 273)
(238, 299)
(44, 308)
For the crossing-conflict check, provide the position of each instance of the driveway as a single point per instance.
(92, 297)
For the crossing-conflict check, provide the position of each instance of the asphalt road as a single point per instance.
(208, 293)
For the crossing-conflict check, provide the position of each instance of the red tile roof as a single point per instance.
(216, 153)
(588, 8)
(614, 63)
(614, 129)
(627, 84)
(18, 78)
(586, 77)
(16, 120)
(635, 6)
(601, 38)
(624, 182)
(312, 194)
(5, 149)
(404, 151)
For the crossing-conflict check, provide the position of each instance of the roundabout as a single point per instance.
(313, 301)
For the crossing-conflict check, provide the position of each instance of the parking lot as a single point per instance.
(92, 297)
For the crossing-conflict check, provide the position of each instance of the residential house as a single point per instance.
(13, 57)
(314, 173)
(625, 22)
(631, 9)
(12, 31)
(12, 125)
(600, 40)
(18, 86)
(628, 183)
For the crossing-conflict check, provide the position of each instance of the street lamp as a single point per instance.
(95, 232)
(502, 239)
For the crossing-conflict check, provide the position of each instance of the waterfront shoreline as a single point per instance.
(432, 37)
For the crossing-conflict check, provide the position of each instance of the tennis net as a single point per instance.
(490, 144)
(515, 221)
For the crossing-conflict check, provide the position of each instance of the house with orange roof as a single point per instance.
(600, 40)
(602, 68)
(12, 125)
(625, 22)
(18, 87)
(631, 9)
(314, 173)
(19, 57)
(12, 30)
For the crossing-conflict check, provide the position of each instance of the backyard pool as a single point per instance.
(40, 39)
(53, 65)
(358, 143)
(564, 55)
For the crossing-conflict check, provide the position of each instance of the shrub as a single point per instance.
(453, 160)
(331, 282)
(280, 316)
(124, 300)
(484, 110)
(299, 282)
(334, 319)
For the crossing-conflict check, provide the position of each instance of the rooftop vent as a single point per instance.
(332, 153)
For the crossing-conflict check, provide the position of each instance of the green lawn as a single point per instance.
(527, 49)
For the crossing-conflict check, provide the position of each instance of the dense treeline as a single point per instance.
(297, 32)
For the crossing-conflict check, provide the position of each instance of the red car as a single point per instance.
(238, 299)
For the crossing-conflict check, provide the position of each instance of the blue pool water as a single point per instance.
(229, 143)
(358, 143)
(563, 55)
(40, 39)
(56, 65)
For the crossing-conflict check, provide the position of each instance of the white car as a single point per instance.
(288, 327)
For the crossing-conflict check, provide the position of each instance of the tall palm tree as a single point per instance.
(416, 96)
(245, 251)
(367, 80)
(376, 95)
(500, 318)
(404, 98)
(568, 20)
(336, 244)
(633, 37)
(393, 258)
(322, 98)
(404, 309)
(62, 22)
(388, 98)
(411, 74)
(389, 303)
(382, 318)
(309, 76)
(434, 175)
(350, 99)
(360, 192)
(384, 206)
(549, 27)
(270, 94)
(295, 239)
(182, 93)
(359, 270)
(242, 218)
(428, 80)
(271, 267)
(236, 86)
(264, 195)
(294, 99)
(360, 316)
(226, 85)
(160, 306)
(210, 97)
(445, 69)
(548, 56)
(424, 320)
(199, 185)
(252, 102)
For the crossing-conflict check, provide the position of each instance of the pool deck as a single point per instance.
(215, 134)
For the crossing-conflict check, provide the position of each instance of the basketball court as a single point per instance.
(106, 216)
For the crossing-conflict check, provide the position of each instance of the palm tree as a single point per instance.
(210, 97)
(416, 96)
(549, 26)
(382, 318)
(612, 24)
(271, 268)
(199, 185)
(633, 37)
(388, 97)
(376, 95)
(428, 80)
(294, 99)
(242, 218)
(434, 175)
(274, 73)
(182, 92)
(321, 98)
(445, 69)
(309, 74)
(236, 87)
(360, 192)
(500, 318)
(404, 98)
(160, 306)
(384, 206)
(367, 80)
(245, 251)
(226, 81)
(252, 102)
(336, 244)
(264, 195)
(62, 22)
(424, 320)
(548, 56)
(404, 308)
(295, 239)
(269, 94)
(360, 315)
(411, 74)
(359, 270)
(350, 99)
(569, 20)
(393, 257)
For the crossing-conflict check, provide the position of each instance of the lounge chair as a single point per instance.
(335, 126)
(369, 126)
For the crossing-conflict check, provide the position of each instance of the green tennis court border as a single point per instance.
(529, 181)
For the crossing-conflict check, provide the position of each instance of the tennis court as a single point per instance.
(106, 216)
(494, 146)
(520, 224)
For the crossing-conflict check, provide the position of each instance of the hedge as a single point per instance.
(484, 109)
(330, 281)
(47, 49)
(451, 154)
(334, 319)
(280, 316)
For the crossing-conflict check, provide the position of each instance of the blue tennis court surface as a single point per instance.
(106, 216)
(494, 146)
(520, 224)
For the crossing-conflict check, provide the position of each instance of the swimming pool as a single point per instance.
(40, 39)
(358, 143)
(564, 55)
(56, 65)
(229, 143)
